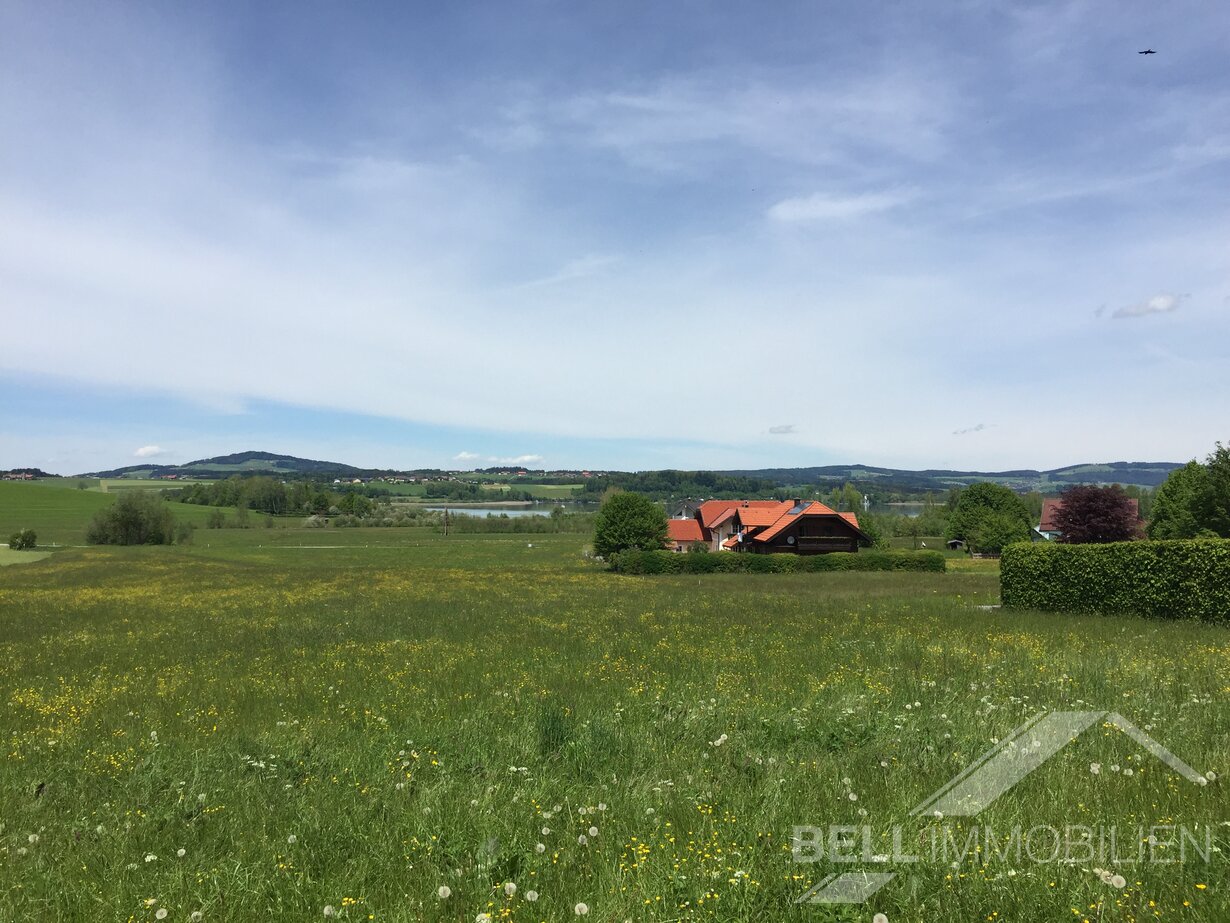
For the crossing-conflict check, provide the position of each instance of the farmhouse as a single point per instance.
(771, 527)
(1047, 529)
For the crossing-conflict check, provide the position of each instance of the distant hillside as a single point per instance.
(241, 463)
(867, 477)
(1140, 474)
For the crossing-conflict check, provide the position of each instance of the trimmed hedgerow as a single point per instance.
(1184, 579)
(666, 562)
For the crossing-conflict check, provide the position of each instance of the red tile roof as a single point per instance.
(713, 512)
(684, 530)
(763, 516)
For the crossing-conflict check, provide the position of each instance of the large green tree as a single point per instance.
(629, 521)
(1176, 505)
(988, 517)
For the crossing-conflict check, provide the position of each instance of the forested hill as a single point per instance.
(242, 463)
(1140, 474)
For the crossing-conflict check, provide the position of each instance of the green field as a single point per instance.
(356, 718)
(60, 513)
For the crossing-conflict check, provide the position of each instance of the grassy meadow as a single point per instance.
(293, 724)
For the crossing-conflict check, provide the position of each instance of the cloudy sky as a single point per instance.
(636, 235)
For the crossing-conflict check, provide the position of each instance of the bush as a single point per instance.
(1182, 578)
(23, 540)
(136, 518)
(666, 562)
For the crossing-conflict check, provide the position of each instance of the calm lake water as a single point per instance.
(481, 511)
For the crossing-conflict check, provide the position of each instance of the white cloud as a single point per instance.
(1158, 304)
(466, 456)
(149, 451)
(828, 207)
(785, 429)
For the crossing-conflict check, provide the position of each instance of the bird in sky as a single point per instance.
(1147, 51)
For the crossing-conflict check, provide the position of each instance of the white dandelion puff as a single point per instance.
(581, 909)
(531, 896)
(510, 888)
(444, 892)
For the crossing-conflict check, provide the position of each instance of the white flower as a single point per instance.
(581, 909)
(200, 799)
(1095, 768)
(292, 840)
(21, 850)
(474, 802)
(100, 829)
(546, 831)
(879, 918)
(1211, 776)
(151, 858)
(160, 914)
(540, 848)
(444, 892)
(1118, 881)
(510, 889)
(531, 896)
(583, 840)
(181, 852)
(649, 811)
(593, 831)
(1127, 772)
(483, 918)
(329, 911)
(196, 916)
(32, 838)
(852, 796)
(601, 806)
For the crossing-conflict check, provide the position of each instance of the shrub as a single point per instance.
(136, 518)
(1182, 578)
(666, 562)
(23, 540)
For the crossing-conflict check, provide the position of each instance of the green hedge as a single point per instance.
(1186, 579)
(726, 562)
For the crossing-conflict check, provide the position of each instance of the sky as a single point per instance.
(974, 235)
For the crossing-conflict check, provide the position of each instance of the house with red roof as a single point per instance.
(682, 534)
(772, 527)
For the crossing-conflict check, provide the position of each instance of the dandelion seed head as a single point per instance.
(581, 909)
(531, 896)
(510, 888)
(444, 892)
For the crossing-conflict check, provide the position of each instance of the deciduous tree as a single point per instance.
(628, 520)
(1096, 515)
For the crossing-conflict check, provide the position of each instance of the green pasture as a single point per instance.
(270, 722)
(60, 516)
